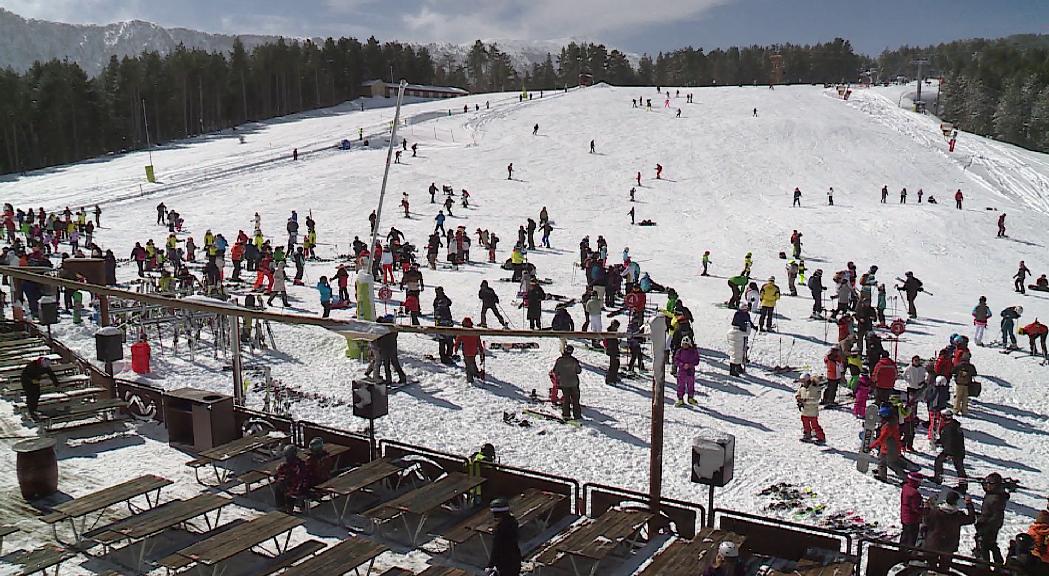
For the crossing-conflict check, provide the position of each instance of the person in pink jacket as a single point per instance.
(686, 358)
(863, 391)
(911, 505)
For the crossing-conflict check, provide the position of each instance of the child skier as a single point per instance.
(685, 359)
(808, 398)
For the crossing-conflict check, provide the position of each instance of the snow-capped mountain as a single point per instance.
(26, 40)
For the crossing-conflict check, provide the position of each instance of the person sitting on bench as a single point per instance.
(319, 464)
(290, 482)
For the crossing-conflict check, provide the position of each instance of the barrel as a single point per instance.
(37, 467)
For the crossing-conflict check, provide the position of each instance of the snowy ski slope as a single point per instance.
(727, 185)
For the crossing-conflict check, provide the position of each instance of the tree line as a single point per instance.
(55, 114)
(996, 88)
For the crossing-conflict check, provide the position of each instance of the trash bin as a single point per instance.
(37, 467)
(109, 344)
(48, 310)
(140, 355)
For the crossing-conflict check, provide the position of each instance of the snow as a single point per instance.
(727, 185)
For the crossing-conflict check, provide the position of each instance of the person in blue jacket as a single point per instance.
(325, 289)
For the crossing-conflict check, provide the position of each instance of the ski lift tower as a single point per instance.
(776, 74)
(919, 62)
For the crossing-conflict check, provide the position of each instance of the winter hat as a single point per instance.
(941, 381)
(317, 445)
(915, 476)
(806, 377)
(948, 413)
(728, 549)
(468, 322)
(772, 278)
(499, 505)
(569, 349)
(291, 452)
(686, 341)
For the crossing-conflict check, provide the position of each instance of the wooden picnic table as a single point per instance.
(5, 531)
(40, 559)
(532, 506)
(689, 557)
(422, 502)
(15, 371)
(353, 481)
(140, 528)
(213, 457)
(444, 571)
(20, 362)
(105, 409)
(211, 552)
(98, 502)
(594, 540)
(350, 554)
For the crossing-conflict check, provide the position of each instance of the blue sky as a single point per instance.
(631, 25)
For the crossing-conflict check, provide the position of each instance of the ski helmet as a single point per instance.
(728, 549)
(885, 411)
(948, 413)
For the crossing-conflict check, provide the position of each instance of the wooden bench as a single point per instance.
(98, 502)
(293, 555)
(104, 409)
(41, 559)
(348, 483)
(396, 571)
(55, 401)
(65, 383)
(6, 531)
(833, 569)
(218, 457)
(689, 557)
(423, 502)
(212, 551)
(533, 506)
(593, 541)
(444, 571)
(350, 554)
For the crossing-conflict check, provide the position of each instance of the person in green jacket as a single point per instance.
(736, 283)
(881, 305)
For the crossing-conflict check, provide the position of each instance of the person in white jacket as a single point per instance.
(279, 288)
(915, 375)
(593, 311)
(808, 396)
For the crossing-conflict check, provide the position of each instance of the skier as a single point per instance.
(535, 130)
(325, 295)
(531, 234)
(835, 363)
(795, 241)
(903, 196)
(678, 115)
(534, 298)
(991, 517)
(162, 211)
(567, 370)
(920, 194)
(639, 178)
(755, 113)
(770, 294)
(797, 198)
(1001, 226)
(592, 150)
(631, 214)
(433, 192)
(981, 313)
(748, 261)
(1009, 317)
(816, 288)
(472, 347)
(489, 301)
(830, 196)
(944, 521)
(439, 219)
(442, 313)
(510, 171)
(958, 197)
(911, 509)
(415, 150)
(1020, 278)
(686, 359)
(808, 398)
(632, 192)
(792, 276)
(884, 194)
(888, 445)
(736, 284)
(295, 154)
(279, 288)
(952, 444)
(882, 304)
(611, 346)
(737, 336)
(547, 229)
(911, 287)
(863, 390)
(884, 376)
(592, 308)
(706, 262)
(1035, 332)
(505, 557)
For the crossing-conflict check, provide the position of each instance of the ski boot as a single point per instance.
(692, 400)
(679, 403)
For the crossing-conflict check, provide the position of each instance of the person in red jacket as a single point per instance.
(911, 505)
(635, 300)
(958, 199)
(888, 445)
(884, 376)
(237, 254)
(472, 347)
(835, 362)
(1036, 331)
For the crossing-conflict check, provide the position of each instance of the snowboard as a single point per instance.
(566, 304)
(507, 346)
(543, 281)
(544, 414)
(870, 425)
(1037, 288)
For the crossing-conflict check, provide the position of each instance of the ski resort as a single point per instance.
(596, 330)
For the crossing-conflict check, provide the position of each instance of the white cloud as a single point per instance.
(459, 20)
(78, 11)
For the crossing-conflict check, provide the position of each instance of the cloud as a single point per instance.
(463, 20)
(78, 11)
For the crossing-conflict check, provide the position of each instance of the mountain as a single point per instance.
(26, 40)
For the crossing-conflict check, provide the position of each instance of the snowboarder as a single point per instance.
(981, 313)
(686, 359)
(1009, 317)
(808, 396)
(1020, 278)
(567, 370)
(958, 197)
(770, 294)
(797, 198)
(1001, 226)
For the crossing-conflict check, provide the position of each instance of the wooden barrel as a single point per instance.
(37, 467)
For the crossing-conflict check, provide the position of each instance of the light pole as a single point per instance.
(365, 284)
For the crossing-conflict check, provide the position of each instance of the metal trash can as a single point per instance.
(37, 467)
(109, 344)
(48, 310)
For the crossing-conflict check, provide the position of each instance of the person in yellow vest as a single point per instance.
(310, 243)
(259, 240)
(209, 238)
(483, 457)
(81, 218)
(769, 296)
(165, 283)
(517, 261)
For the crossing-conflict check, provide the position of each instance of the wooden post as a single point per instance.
(658, 328)
(235, 360)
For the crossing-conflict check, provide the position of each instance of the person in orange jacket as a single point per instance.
(237, 255)
(888, 445)
(884, 376)
(472, 347)
(1036, 332)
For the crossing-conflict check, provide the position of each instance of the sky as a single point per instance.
(630, 25)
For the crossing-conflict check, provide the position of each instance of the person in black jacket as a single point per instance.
(612, 350)
(992, 515)
(505, 559)
(489, 301)
(562, 322)
(535, 298)
(816, 287)
(911, 287)
(30, 376)
(111, 268)
(952, 443)
(387, 345)
(442, 315)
